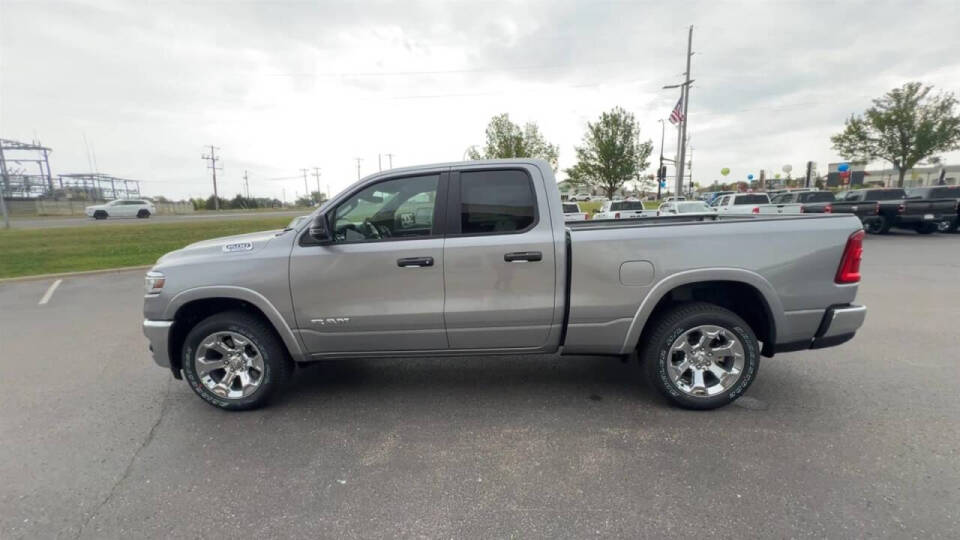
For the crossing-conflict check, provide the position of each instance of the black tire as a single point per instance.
(927, 228)
(100, 214)
(143, 214)
(876, 225)
(277, 364)
(954, 225)
(672, 324)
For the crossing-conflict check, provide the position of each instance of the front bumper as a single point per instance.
(158, 334)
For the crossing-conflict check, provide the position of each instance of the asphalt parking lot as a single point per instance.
(862, 440)
(74, 221)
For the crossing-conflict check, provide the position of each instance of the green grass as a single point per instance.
(26, 252)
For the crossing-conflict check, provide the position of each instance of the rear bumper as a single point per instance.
(919, 219)
(158, 334)
(839, 325)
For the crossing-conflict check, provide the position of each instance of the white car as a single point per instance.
(685, 207)
(744, 203)
(572, 212)
(580, 197)
(138, 208)
(622, 210)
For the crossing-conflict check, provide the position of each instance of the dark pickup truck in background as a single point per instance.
(939, 194)
(895, 209)
(824, 202)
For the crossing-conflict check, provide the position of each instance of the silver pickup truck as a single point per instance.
(475, 258)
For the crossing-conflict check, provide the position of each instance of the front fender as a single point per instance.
(247, 295)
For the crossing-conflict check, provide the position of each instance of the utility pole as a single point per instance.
(379, 162)
(306, 189)
(3, 185)
(390, 157)
(316, 174)
(213, 159)
(358, 167)
(246, 183)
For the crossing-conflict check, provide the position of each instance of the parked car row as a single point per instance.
(925, 209)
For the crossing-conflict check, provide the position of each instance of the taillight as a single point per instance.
(616, 216)
(828, 209)
(587, 217)
(756, 210)
(876, 209)
(803, 209)
(849, 271)
(901, 208)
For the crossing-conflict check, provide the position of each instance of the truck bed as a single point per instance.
(617, 265)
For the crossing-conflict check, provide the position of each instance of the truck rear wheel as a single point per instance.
(877, 225)
(234, 361)
(701, 355)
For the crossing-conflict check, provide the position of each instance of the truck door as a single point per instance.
(379, 285)
(499, 262)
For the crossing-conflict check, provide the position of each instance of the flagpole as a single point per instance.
(686, 115)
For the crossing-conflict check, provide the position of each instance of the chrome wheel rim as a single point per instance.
(705, 361)
(229, 365)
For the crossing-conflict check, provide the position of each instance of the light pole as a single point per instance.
(660, 175)
(685, 98)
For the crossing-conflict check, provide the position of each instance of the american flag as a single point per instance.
(676, 115)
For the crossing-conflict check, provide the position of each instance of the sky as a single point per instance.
(138, 89)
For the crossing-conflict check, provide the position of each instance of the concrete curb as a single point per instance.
(73, 274)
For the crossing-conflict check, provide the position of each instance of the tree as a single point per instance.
(612, 153)
(508, 140)
(903, 127)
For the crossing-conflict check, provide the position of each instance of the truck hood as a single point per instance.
(226, 246)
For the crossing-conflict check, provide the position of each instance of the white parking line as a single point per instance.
(49, 294)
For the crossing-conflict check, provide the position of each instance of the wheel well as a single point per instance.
(189, 314)
(740, 298)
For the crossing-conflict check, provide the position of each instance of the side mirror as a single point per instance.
(319, 229)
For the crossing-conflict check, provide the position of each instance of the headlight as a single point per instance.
(154, 282)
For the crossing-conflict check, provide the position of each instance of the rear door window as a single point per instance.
(816, 196)
(751, 199)
(496, 202)
(884, 195)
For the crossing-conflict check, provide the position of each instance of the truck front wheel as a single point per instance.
(234, 360)
(701, 355)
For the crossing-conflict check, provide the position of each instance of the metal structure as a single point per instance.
(98, 186)
(24, 169)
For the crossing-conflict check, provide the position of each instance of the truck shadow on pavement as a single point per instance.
(531, 380)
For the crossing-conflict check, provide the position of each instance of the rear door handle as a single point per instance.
(415, 262)
(523, 256)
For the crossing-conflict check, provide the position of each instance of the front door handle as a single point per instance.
(415, 262)
(523, 256)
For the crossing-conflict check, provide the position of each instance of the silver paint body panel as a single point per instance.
(471, 301)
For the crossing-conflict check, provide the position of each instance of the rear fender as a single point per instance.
(665, 286)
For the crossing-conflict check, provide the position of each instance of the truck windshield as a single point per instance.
(626, 205)
(751, 199)
(571, 208)
(884, 195)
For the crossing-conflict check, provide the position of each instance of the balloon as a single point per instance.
(725, 171)
(749, 177)
(843, 167)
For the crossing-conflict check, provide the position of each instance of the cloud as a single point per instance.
(284, 85)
